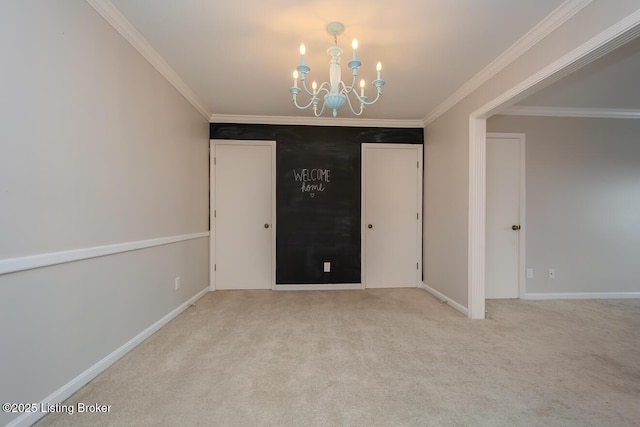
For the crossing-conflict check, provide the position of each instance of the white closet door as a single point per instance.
(392, 215)
(243, 215)
(503, 217)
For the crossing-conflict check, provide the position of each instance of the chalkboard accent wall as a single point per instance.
(318, 190)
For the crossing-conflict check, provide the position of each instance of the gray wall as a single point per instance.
(582, 202)
(96, 148)
(446, 173)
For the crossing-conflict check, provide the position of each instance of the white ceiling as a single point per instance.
(237, 57)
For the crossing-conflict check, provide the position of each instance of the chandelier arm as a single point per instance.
(378, 93)
(324, 87)
(295, 102)
(294, 95)
(315, 110)
(351, 106)
(346, 90)
(349, 90)
(353, 85)
(304, 86)
(361, 99)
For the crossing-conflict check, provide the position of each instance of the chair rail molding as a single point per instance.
(13, 265)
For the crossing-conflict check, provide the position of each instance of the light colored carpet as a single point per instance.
(390, 357)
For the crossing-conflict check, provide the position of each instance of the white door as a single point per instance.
(243, 235)
(392, 215)
(503, 217)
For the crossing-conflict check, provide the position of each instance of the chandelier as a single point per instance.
(336, 92)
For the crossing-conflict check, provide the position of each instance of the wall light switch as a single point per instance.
(529, 273)
(177, 283)
(327, 267)
(552, 273)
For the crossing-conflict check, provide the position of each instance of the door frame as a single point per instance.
(213, 143)
(419, 195)
(606, 41)
(522, 277)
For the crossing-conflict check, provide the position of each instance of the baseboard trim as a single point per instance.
(321, 287)
(581, 295)
(442, 297)
(13, 265)
(84, 378)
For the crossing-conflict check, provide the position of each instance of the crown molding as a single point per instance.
(600, 113)
(613, 37)
(118, 21)
(313, 121)
(559, 16)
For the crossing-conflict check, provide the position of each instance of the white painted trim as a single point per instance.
(582, 295)
(624, 30)
(84, 378)
(419, 196)
(118, 21)
(598, 46)
(522, 274)
(477, 209)
(212, 224)
(314, 121)
(444, 298)
(420, 219)
(597, 113)
(13, 265)
(274, 218)
(321, 287)
(212, 203)
(522, 249)
(363, 217)
(559, 16)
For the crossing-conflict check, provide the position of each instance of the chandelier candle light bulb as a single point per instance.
(337, 93)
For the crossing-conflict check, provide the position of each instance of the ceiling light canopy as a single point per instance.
(336, 92)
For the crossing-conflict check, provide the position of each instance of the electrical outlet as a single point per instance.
(327, 267)
(552, 273)
(529, 273)
(177, 283)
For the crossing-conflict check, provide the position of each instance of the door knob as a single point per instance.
(370, 226)
(515, 227)
(266, 226)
